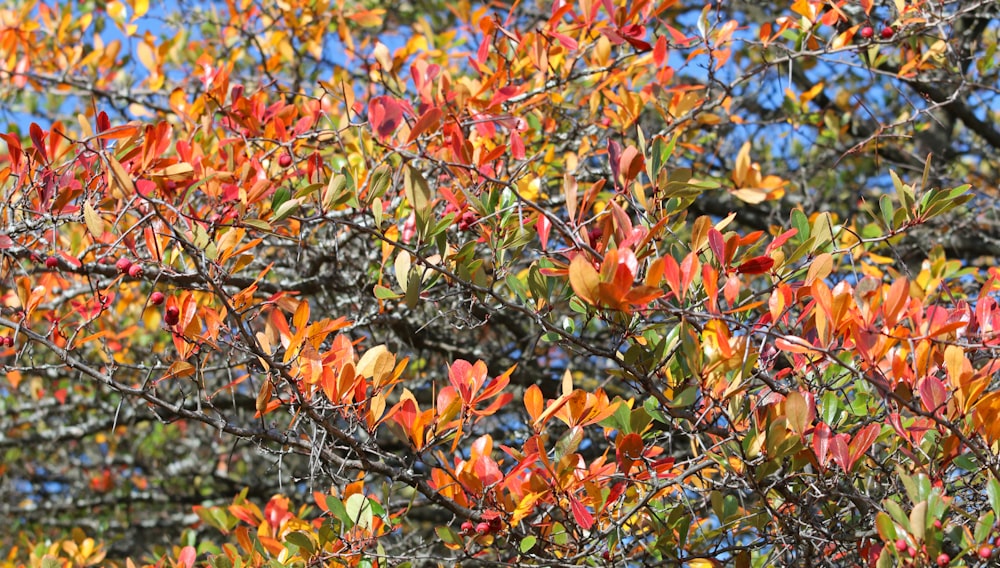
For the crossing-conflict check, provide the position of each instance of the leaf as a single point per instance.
(187, 557)
(448, 535)
(756, 265)
(933, 394)
(378, 182)
(798, 412)
(821, 443)
(376, 363)
(584, 279)
(93, 221)
(862, 442)
(385, 115)
(286, 209)
(178, 369)
(418, 193)
(359, 510)
(582, 516)
(428, 120)
(993, 492)
(263, 397)
(120, 177)
(628, 450)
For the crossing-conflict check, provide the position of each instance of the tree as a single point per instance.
(557, 283)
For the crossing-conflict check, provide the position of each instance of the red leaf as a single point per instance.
(628, 450)
(504, 94)
(13, 148)
(821, 443)
(660, 51)
(633, 34)
(780, 240)
(487, 471)
(862, 441)
(568, 42)
(516, 145)
(38, 139)
(717, 244)
(581, 514)
(544, 227)
(384, 115)
(840, 452)
(933, 394)
(756, 265)
(614, 157)
(102, 122)
(187, 557)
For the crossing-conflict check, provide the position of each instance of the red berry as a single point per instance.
(867, 32)
(595, 235)
(912, 551)
(51, 262)
(135, 271)
(123, 265)
(888, 32)
(284, 160)
(468, 527)
(172, 316)
(483, 528)
(156, 298)
(937, 524)
(943, 559)
(985, 551)
(466, 221)
(901, 544)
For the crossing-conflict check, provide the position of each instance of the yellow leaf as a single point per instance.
(176, 172)
(751, 195)
(376, 363)
(94, 222)
(119, 177)
(139, 8)
(147, 56)
(742, 165)
(178, 369)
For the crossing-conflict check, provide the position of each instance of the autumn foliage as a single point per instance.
(595, 282)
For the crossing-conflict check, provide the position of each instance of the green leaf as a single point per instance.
(984, 527)
(378, 182)
(336, 506)
(383, 293)
(527, 543)
(286, 209)
(993, 491)
(359, 510)
(901, 518)
(448, 535)
(302, 541)
(886, 528)
(801, 224)
(281, 195)
(418, 193)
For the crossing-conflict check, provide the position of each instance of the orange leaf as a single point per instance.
(584, 279)
(534, 402)
(431, 118)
